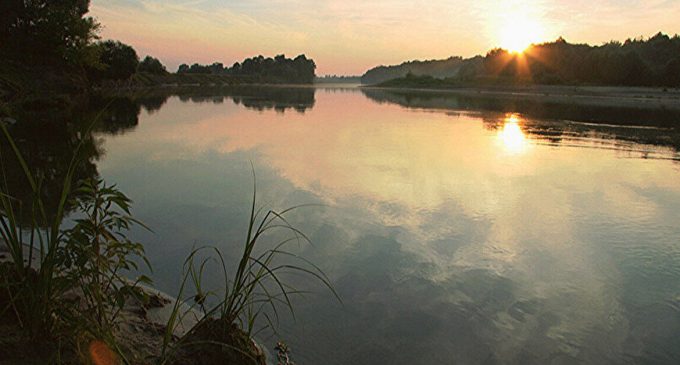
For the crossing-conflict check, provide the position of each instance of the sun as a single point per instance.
(518, 31)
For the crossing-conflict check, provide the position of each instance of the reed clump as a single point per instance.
(252, 296)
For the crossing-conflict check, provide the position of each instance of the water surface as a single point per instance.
(455, 231)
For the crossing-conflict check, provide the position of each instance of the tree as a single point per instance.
(235, 69)
(198, 69)
(152, 65)
(672, 73)
(273, 70)
(305, 69)
(216, 68)
(46, 31)
(118, 60)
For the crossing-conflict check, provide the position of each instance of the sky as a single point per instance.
(348, 37)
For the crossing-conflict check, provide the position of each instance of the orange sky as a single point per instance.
(348, 37)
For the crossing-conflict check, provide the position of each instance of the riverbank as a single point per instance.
(60, 85)
(637, 97)
(145, 80)
(141, 329)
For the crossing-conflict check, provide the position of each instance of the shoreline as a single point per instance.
(610, 96)
(613, 96)
(606, 96)
(142, 325)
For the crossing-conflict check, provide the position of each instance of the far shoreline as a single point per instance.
(606, 96)
(611, 96)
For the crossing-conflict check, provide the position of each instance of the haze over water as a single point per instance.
(452, 235)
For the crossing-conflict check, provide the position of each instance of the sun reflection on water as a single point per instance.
(512, 136)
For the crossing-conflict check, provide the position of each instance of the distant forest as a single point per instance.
(436, 68)
(635, 62)
(53, 47)
(279, 69)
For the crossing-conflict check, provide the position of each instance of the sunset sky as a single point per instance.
(350, 36)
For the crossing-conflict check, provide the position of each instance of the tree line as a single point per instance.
(435, 68)
(44, 46)
(56, 42)
(635, 62)
(278, 69)
(60, 35)
(119, 61)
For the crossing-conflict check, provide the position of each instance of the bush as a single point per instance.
(117, 61)
(95, 253)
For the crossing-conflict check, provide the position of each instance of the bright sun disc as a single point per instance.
(519, 34)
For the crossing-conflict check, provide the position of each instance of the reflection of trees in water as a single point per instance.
(48, 134)
(333, 89)
(47, 147)
(552, 121)
(151, 103)
(215, 99)
(48, 137)
(252, 97)
(596, 135)
(660, 117)
(534, 129)
(118, 115)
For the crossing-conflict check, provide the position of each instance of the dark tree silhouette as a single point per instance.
(260, 69)
(435, 68)
(152, 65)
(216, 68)
(46, 31)
(671, 72)
(118, 61)
(635, 62)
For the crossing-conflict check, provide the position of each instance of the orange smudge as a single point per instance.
(101, 354)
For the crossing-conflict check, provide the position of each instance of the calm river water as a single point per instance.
(455, 230)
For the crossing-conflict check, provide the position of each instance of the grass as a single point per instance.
(35, 291)
(252, 295)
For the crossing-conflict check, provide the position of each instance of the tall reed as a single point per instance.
(255, 290)
(30, 279)
(61, 283)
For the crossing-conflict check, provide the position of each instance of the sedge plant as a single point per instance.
(252, 295)
(29, 279)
